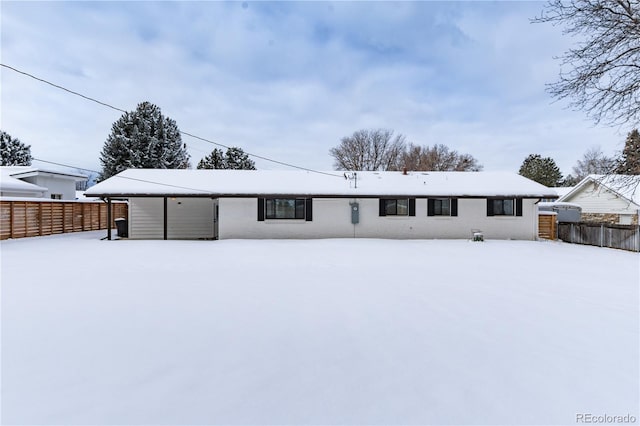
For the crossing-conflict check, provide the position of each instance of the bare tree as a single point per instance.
(593, 162)
(373, 149)
(437, 158)
(602, 75)
(86, 184)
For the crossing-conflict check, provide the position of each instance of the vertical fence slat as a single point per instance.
(5, 224)
(11, 220)
(40, 224)
(20, 219)
(625, 237)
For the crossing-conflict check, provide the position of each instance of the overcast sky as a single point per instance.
(287, 80)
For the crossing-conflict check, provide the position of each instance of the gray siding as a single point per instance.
(187, 218)
(146, 218)
(190, 218)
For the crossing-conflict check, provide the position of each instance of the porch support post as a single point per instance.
(108, 218)
(165, 218)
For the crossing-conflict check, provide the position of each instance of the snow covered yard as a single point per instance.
(316, 332)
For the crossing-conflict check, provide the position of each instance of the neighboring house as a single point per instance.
(611, 199)
(560, 190)
(34, 182)
(210, 204)
(12, 187)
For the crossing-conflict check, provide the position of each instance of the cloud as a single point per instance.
(289, 79)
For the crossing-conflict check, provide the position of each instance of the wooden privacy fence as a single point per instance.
(20, 219)
(547, 226)
(625, 237)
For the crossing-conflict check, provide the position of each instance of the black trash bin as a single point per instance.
(122, 227)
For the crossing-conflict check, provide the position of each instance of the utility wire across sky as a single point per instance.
(200, 138)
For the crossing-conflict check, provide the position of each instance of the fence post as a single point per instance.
(601, 235)
(571, 232)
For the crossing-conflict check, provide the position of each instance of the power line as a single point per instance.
(63, 88)
(263, 158)
(123, 177)
(57, 86)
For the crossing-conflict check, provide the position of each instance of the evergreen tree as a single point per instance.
(143, 139)
(237, 159)
(569, 180)
(630, 161)
(542, 170)
(215, 160)
(13, 152)
(234, 159)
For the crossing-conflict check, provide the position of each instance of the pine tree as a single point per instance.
(235, 159)
(13, 152)
(542, 170)
(630, 161)
(143, 138)
(215, 160)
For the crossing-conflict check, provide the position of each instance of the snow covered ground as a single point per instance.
(316, 332)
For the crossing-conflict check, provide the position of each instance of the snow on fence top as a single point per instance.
(163, 182)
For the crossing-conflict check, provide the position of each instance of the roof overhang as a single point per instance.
(308, 195)
(33, 173)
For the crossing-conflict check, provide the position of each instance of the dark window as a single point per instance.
(504, 207)
(284, 208)
(397, 207)
(56, 196)
(442, 207)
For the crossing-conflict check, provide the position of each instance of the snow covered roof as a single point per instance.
(562, 190)
(27, 171)
(163, 182)
(626, 186)
(8, 183)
